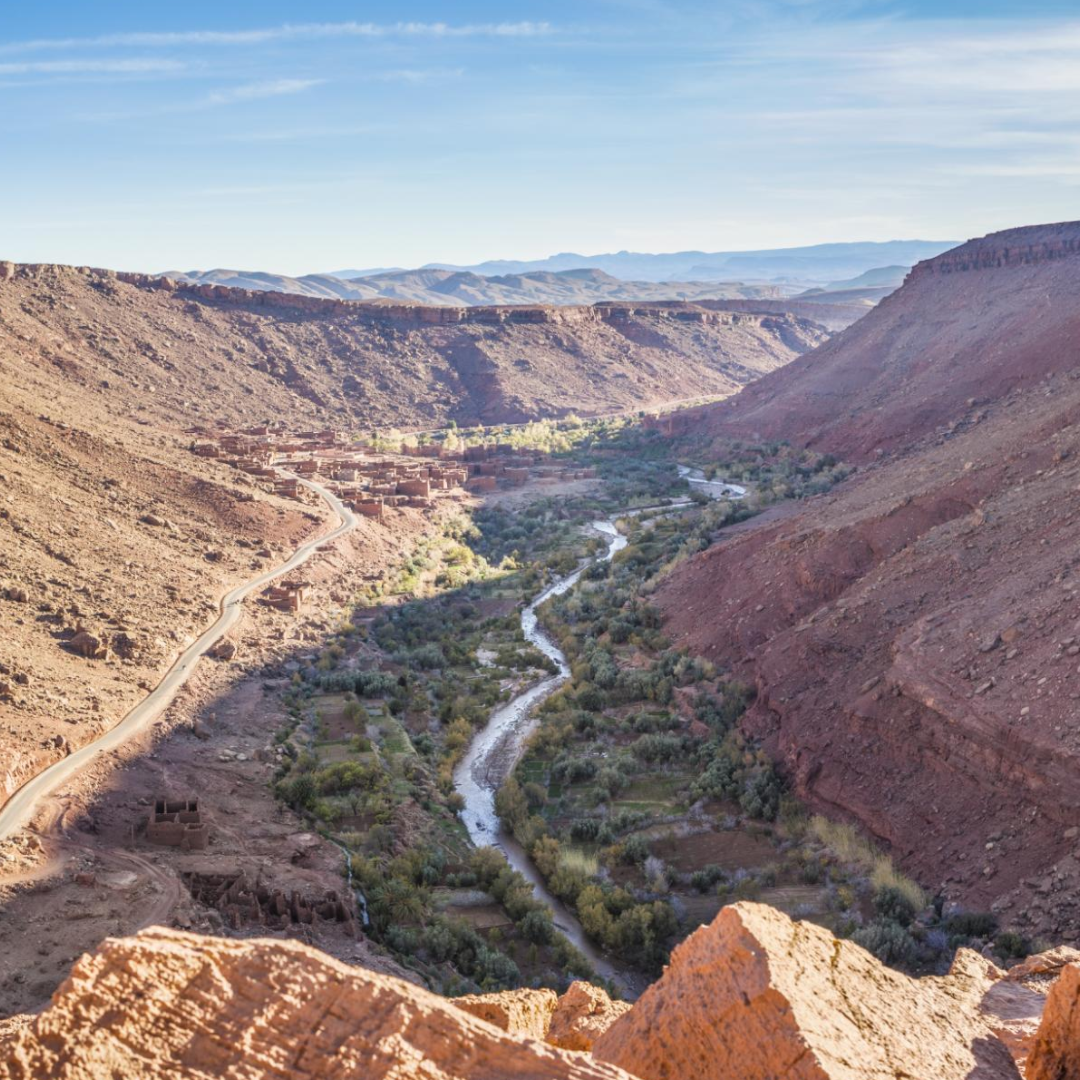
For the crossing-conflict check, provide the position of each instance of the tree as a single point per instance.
(545, 853)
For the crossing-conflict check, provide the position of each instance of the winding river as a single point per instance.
(494, 752)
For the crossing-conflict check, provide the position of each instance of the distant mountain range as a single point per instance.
(814, 265)
(863, 272)
(462, 288)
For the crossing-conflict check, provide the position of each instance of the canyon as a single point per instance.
(909, 639)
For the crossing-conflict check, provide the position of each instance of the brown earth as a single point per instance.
(754, 996)
(163, 352)
(914, 635)
(85, 870)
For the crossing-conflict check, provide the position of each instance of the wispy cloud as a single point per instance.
(413, 75)
(92, 67)
(286, 32)
(257, 90)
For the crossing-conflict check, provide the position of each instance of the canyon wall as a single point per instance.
(914, 636)
(988, 318)
(183, 352)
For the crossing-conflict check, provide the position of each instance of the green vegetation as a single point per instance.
(638, 799)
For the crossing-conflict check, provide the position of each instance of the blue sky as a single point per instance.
(307, 137)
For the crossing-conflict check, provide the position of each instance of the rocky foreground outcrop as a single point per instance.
(754, 996)
(1055, 1054)
(757, 996)
(170, 1004)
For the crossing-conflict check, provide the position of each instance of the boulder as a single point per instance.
(225, 649)
(757, 996)
(521, 1012)
(171, 1004)
(1055, 1054)
(83, 643)
(582, 1015)
(125, 646)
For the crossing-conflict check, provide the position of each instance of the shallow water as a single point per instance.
(494, 752)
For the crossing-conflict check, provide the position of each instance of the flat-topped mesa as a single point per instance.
(396, 312)
(1026, 246)
(393, 312)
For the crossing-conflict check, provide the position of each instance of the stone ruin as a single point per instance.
(286, 596)
(243, 904)
(177, 824)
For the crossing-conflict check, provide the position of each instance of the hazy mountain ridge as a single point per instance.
(438, 287)
(816, 264)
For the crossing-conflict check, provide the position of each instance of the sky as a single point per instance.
(300, 138)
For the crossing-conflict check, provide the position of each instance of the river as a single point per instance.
(494, 752)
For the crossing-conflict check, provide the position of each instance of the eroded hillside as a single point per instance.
(176, 354)
(913, 634)
(113, 528)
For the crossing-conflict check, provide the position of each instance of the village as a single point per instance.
(367, 480)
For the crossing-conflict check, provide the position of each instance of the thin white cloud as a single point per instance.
(92, 67)
(286, 32)
(412, 75)
(255, 91)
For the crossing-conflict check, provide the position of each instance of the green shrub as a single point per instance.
(892, 903)
(971, 924)
(888, 941)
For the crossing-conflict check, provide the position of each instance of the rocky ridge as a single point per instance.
(754, 995)
(433, 287)
(165, 351)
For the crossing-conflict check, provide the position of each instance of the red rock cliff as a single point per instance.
(915, 635)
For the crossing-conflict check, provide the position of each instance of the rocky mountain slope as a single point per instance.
(456, 288)
(913, 635)
(176, 354)
(115, 540)
(753, 996)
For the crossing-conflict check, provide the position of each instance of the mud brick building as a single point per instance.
(177, 823)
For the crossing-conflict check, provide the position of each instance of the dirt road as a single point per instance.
(20, 808)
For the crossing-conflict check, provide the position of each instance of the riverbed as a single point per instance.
(494, 752)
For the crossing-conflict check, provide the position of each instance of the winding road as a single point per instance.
(20, 808)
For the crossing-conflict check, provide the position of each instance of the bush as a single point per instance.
(538, 927)
(892, 903)
(888, 941)
(1011, 945)
(971, 924)
(635, 851)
